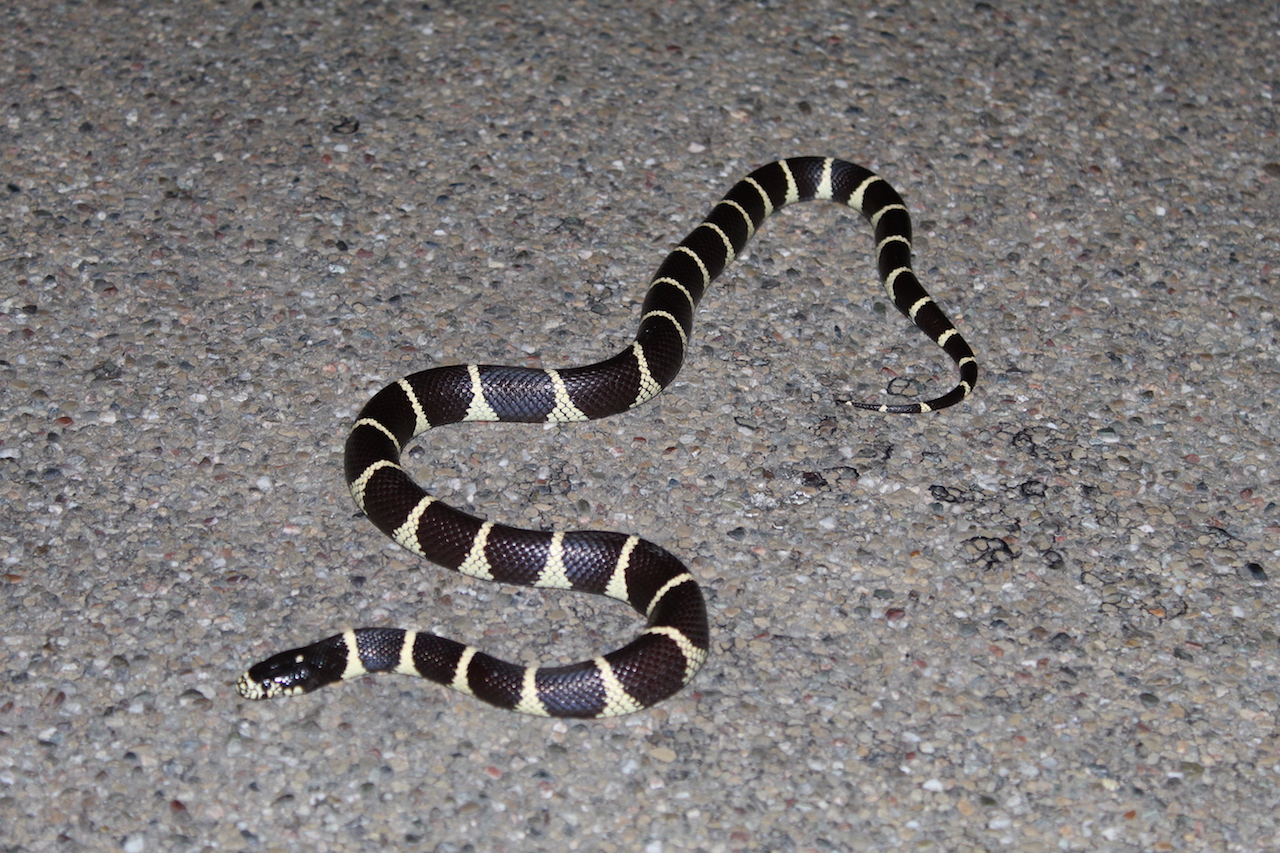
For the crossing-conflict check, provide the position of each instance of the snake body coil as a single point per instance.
(676, 640)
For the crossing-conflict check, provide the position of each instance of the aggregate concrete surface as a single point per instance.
(1041, 620)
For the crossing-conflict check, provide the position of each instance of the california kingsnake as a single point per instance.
(676, 641)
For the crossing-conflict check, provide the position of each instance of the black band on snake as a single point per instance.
(676, 640)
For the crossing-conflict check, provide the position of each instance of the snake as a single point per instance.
(676, 639)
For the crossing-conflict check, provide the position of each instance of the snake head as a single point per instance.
(295, 671)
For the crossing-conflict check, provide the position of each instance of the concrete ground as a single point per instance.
(1041, 620)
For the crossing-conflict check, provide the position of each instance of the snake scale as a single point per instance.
(676, 640)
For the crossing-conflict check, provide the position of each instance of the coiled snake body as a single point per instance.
(676, 640)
